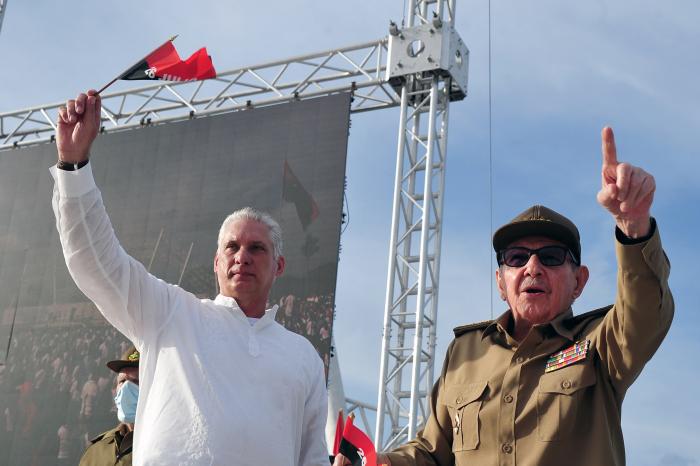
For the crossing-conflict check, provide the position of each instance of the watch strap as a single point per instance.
(68, 166)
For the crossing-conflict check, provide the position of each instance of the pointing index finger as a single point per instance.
(608, 147)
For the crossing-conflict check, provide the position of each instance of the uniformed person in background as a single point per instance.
(538, 385)
(114, 447)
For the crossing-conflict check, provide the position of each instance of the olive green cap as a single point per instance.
(129, 359)
(539, 221)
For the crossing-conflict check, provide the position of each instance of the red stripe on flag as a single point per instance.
(365, 455)
(167, 64)
(338, 433)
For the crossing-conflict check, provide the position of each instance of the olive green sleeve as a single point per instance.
(638, 322)
(432, 445)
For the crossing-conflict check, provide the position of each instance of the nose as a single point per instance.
(242, 256)
(533, 266)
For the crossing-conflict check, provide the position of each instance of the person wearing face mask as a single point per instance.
(114, 447)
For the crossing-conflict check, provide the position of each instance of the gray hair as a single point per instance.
(249, 213)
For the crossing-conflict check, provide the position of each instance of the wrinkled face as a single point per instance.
(536, 293)
(244, 264)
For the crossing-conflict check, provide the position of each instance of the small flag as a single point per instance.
(164, 63)
(568, 356)
(293, 191)
(356, 446)
(338, 433)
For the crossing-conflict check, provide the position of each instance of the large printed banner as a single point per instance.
(167, 188)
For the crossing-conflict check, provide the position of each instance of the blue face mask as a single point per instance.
(126, 398)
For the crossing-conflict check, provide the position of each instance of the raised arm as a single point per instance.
(132, 300)
(635, 327)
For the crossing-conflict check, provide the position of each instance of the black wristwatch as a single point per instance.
(70, 167)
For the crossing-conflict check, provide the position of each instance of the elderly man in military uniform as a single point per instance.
(538, 385)
(114, 447)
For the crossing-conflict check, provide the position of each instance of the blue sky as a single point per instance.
(560, 72)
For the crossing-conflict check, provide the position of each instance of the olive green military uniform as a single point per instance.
(494, 404)
(111, 448)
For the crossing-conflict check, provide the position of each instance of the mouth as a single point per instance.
(534, 291)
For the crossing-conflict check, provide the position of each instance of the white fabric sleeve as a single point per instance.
(131, 299)
(313, 450)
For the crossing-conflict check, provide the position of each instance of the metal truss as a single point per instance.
(3, 7)
(359, 68)
(410, 316)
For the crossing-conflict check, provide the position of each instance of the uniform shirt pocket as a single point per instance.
(463, 404)
(560, 394)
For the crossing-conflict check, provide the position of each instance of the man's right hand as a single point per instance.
(78, 124)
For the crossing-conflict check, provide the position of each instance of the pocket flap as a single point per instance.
(568, 380)
(457, 396)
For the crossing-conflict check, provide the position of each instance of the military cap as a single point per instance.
(539, 221)
(130, 358)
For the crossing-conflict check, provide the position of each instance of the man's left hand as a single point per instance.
(627, 191)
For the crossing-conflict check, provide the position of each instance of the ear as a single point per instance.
(280, 266)
(501, 284)
(216, 260)
(582, 275)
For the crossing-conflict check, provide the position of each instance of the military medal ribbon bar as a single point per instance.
(568, 356)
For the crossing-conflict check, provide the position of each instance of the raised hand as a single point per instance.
(78, 124)
(627, 191)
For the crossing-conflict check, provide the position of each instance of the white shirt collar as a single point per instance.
(230, 302)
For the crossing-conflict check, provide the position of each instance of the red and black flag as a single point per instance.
(339, 427)
(293, 191)
(356, 446)
(164, 63)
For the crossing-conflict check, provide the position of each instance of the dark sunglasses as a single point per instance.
(550, 256)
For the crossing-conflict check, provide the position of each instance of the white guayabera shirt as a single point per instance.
(214, 389)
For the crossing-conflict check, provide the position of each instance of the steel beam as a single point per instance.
(360, 69)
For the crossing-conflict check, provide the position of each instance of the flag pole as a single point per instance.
(136, 63)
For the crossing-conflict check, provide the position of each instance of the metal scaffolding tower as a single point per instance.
(421, 66)
(430, 61)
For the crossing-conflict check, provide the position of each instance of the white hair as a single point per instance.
(249, 213)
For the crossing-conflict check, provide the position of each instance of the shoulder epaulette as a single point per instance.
(462, 329)
(601, 311)
(103, 435)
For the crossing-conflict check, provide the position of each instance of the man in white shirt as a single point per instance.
(221, 383)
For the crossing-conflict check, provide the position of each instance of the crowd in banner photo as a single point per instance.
(311, 317)
(56, 393)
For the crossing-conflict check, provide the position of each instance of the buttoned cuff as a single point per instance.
(73, 183)
(644, 257)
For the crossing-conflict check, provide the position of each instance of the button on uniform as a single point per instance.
(508, 398)
(566, 384)
(507, 448)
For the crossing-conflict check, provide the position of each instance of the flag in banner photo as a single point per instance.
(356, 446)
(165, 63)
(293, 191)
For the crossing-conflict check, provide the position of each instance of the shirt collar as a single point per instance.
(560, 324)
(501, 324)
(236, 310)
(505, 322)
